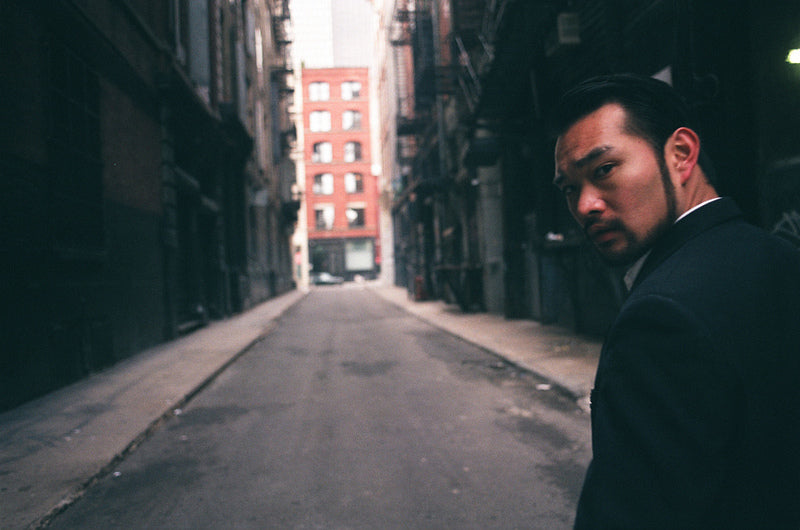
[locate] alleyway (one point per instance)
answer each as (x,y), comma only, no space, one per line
(56,447)
(354,414)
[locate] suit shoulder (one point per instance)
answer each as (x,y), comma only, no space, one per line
(732,252)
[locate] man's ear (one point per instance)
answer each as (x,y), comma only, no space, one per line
(681,152)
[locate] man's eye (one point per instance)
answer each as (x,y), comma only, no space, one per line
(568,190)
(603,171)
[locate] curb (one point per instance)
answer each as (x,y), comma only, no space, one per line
(582,400)
(171,411)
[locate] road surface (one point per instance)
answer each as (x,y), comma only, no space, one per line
(352,413)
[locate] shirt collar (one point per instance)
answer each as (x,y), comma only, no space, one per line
(633,271)
(690,210)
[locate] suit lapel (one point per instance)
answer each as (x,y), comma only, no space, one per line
(690,226)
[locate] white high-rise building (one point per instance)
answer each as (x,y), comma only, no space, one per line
(332,33)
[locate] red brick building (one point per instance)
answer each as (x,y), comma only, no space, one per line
(341,191)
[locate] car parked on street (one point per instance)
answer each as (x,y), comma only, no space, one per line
(325,278)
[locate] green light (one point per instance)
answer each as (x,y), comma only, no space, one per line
(794,56)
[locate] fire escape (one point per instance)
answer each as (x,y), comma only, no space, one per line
(475,25)
(284,132)
(473,42)
(426,79)
(419,133)
(407,123)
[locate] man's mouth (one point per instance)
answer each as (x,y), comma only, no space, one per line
(602,234)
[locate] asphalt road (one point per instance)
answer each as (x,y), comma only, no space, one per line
(354,414)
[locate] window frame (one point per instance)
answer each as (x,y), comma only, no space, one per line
(353,182)
(355,118)
(354,153)
(323,185)
(319,121)
(320,211)
(348,94)
(315,92)
(360,212)
(317,154)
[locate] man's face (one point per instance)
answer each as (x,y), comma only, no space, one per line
(616,187)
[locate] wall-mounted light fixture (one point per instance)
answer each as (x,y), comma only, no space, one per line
(793,57)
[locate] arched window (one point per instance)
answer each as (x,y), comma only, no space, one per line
(322,152)
(351,120)
(323,184)
(353,182)
(352,151)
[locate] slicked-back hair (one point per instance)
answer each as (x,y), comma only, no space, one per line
(654,109)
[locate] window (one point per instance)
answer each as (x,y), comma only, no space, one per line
(353,182)
(323,152)
(323,216)
(319,120)
(323,184)
(351,119)
(352,151)
(351,90)
(355,216)
(319,91)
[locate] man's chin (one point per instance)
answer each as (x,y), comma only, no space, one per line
(619,257)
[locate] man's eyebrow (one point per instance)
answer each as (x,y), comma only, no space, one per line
(592,155)
(595,153)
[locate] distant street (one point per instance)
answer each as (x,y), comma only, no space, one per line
(353,414)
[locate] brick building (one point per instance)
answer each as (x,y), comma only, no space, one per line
(146,183)
(341,192)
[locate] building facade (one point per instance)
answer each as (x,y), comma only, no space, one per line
(476,218)
(341,192)
(146,178)
(383,74)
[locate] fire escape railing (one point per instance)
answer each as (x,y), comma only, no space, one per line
(473,38)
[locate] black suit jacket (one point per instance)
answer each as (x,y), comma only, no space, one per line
(696,405)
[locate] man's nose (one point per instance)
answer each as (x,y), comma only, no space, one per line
(590,202)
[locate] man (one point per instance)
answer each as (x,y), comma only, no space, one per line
(696,407)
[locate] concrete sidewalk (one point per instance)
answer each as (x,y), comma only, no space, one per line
(53,448)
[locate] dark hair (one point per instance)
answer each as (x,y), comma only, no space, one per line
(654,109)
